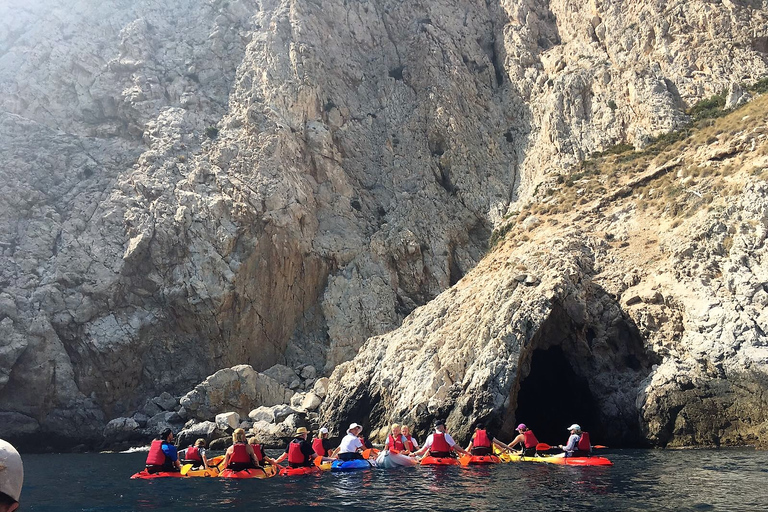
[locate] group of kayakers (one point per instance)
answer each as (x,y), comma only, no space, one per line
(300,452)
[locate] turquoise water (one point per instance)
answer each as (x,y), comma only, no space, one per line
(696,480)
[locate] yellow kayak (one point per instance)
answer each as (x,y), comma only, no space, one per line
(211,471)
(564,461)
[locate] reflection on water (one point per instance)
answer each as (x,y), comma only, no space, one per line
(699,480)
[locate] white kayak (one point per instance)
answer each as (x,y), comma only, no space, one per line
(390,460)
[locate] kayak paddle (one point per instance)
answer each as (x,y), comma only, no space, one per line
(543,447)
(319,461)
(464,460)
(366,453)
(185,469)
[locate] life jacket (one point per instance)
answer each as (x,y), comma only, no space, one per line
(529,439)
(410,444)
(317,446)
(395,445)
(258,451)
(481,439)
(156,457)
(439,444)
(193,453)
(240,454)
(295,455)
(584,444)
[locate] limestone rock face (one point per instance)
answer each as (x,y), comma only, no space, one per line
(189,186)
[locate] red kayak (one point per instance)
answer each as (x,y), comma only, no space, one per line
(306,470)
(484,459)
(144,475)
(439,461)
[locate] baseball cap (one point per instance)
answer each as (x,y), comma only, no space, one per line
(11,470)
(439,422)
(575,426)
(323,430)
(521,427)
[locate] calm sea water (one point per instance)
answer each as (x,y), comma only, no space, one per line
(696,480)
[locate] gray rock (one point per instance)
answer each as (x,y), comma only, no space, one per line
(166,402)
(281,373)
(321,387)
(228,421)
(295,384)
(220,444)
(151,409)
(308,372)
(141,419)
(163,420)
(122,429)
(205,430)
(262,413)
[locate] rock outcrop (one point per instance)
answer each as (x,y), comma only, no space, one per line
(199,185)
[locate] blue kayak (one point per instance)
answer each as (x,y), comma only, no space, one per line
(350,465)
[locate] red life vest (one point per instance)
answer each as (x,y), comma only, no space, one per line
(411,444)
(317,446)
(529,439)
(584,444)
(439,444)
(240,454)
(395,445)
(481,439)
(156,457)
(258,452)
(193,453)
(295,455)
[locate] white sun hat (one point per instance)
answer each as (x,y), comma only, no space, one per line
(353,427)
(11,470)
(323,430)
(575,426)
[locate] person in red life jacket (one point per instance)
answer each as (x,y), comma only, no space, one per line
(162,454)
(240,455)
(578,443)
(321,444)
(440,444)
(396,441)
(410,441)
(482,442)
(299,451)
(526,439)
(195,455)
(258,450)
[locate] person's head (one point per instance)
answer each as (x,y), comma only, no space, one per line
(575,429)
(167,435)
(11,477)
(238,436)
(253,440)
(405,430)
(480,426)
(200,443)
(521,428)
(302,432)
(395,429)
(440,426)
(323,433)
(355,429)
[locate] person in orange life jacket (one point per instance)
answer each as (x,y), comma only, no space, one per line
(351,446)
(578,443)
(396,441)
(321,444)
(440,444)
(526,439)
(11,477)
(195,455)
(240,455)
(482,442)
(258,450)
(411,443)
(162,454)
(299,451)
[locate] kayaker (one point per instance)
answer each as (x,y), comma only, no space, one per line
(240,455)
(11,477)
(321,444)
(351,446)
(195,455)
(482,442)
(162,454)
(578,443)
(526,439)
(396,441)
(299,451)
(258,450)
(440,444)
(411,443)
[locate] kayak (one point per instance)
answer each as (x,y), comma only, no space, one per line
(563,461)
(201,472)
(305,470)
(351,465)
(265,472)
(389,460)
(144,475)
(484,459)
(439,461)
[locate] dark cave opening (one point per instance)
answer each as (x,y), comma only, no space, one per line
(553,396)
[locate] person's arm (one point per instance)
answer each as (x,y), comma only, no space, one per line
(282,457)
(571,446)
(471,442)
(205,459)
(501,445)
(227,456)
(455,446)
(425,448)
(170,451)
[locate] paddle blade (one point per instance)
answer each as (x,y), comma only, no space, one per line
(599,446)
(366,453)
(319,461)
(464,460)
(542,447)
(185,469)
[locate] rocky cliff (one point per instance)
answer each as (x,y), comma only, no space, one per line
(193,186)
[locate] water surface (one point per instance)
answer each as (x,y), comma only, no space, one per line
(695,480)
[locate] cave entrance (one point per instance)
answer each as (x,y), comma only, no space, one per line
(553,396)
